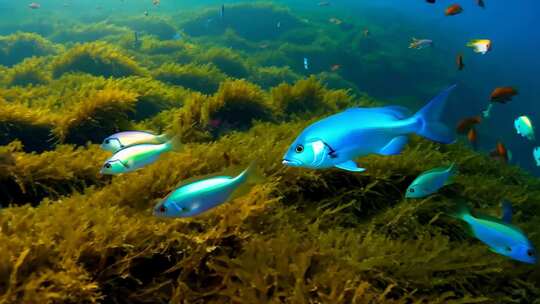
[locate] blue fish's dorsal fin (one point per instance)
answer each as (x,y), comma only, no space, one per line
(506,211)
(350,166)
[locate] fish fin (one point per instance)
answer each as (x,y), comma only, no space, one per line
(174,144)
(248,178)
(506,212)
(350,166)
(462,211)
(163,138)
(395,146)
(452,171)
(429,117)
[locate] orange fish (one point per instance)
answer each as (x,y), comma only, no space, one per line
(500,152)
(472,136)
(459,62)
(503,94)
(466,124)
(453,10)
(335,67)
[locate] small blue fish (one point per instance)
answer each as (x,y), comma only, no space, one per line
(430,182)
(197,197)
(177,36)
(499,234)
(337,140)
(222,12)
(121,140)
(536,155)
(306,64)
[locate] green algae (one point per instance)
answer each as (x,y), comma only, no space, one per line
(299,236)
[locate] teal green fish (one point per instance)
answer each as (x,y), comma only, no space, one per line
(197,197)
(430,182)
(499,234)
(121,140)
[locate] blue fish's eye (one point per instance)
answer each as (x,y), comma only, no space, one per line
(162,209)
(411,190)
(107,141)
(107,165)
(299,149)
(509,249)
(530,252)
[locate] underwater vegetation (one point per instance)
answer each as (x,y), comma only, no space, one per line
(71,235)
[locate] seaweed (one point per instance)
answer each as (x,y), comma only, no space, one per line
(272,76)
(29,72)
(96,58)
(102,113)
(87,33)
(150,25)
(202,78)
(226,60)
(16,47)
(308,96)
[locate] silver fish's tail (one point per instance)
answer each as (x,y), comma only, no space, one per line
(427,120)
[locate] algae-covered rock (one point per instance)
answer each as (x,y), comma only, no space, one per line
(272,76)
(99,58)
(156,26)
(16,47)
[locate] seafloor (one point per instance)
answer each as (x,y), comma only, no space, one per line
(71,235)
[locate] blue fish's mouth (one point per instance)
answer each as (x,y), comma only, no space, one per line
(292,163)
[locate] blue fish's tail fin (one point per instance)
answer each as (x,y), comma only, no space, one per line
(428,119)
(247,179)
(462,212)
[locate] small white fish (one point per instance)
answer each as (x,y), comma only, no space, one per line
(306,63)
(279,24)
(420,43)
(481,46)
(524,127)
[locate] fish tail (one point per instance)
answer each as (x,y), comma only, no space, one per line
(428,119)
(462,212)
(174,144)
(163,138)
(250,173)
(452,172)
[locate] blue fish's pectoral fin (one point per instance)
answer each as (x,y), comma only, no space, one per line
(125,164)
(395,146)
(506,212)
(350,166)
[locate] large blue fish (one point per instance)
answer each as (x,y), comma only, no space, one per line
(337,140)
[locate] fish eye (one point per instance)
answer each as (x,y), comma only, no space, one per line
(299,149)
(509,249)
(107,141)
(530,252)
(162,209)
(411,190)
(107,165)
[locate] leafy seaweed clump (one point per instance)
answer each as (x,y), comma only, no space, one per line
(227,61)
(97,58)
(87,32)
(102,113)
(31,126)
(29,72)
(308,96)
(272,76)
(16,47)
(155,26)
(202,78)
